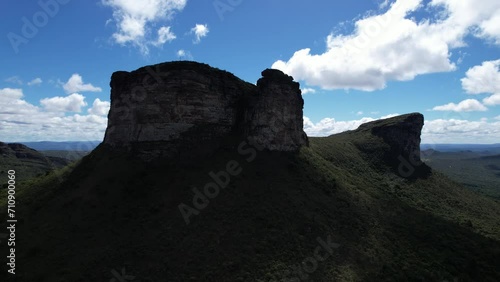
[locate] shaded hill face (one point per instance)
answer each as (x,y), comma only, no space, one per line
(334,211)
(185,109)
(392,142)
(27,162)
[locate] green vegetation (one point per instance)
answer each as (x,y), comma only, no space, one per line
(478,171)
(111,212)
(68,155)
(27,163)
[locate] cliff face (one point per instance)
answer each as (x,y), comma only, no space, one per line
(401,133)
(400,146)
(275,119)
(189,108)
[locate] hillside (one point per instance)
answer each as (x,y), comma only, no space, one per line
(476,170)
(27,162)
(338,210)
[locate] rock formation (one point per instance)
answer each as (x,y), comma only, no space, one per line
(275,115)
(401,133)
(179,109)
(394,142)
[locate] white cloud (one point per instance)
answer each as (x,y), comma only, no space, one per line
(482,16)
(165,35)
(75,84)
(384,4)
(308,91)
(22,121)
(483,79)
(360,113)
(469,105)
(7,94)
(71,103)
(460,131)
(134,18)
(14,79)
(393,45)
(433,132)
(329,126)
(200,31)
(493,100)
(35,81)
(99,108)
(184,55)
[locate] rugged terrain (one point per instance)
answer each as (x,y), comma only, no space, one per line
(356,206)
(27,162)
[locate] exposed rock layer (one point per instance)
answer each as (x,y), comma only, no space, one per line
(400,146)
(401,133)
(187,108)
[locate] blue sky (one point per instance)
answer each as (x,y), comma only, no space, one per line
(356,61)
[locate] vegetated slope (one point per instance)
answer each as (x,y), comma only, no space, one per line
(27,162)
(114,217)
(69,155)
(478,171)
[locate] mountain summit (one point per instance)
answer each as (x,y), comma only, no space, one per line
(255,199)
(185,109)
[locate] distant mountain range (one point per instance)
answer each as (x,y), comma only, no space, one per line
(460,147)
(63,146)
(91,145)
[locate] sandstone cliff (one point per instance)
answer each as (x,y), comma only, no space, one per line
(183,109)
(394,141)
(401,133)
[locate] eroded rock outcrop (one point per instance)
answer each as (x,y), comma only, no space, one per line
(401,133)
(179,109)
(274,118)
(400,146)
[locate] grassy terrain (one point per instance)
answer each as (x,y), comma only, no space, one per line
(478,171)
(27,163)
(69,155)
(112,212)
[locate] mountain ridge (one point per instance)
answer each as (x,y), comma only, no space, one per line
(337,209)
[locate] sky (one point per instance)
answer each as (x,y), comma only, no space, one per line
(356,61)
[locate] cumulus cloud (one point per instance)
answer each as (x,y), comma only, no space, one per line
(22,121)
(394,46)
(75,84)
(99,108)
(7,94)
(35,81)
(71,103)
(493,100)
(483,79)
(460,131)
(135,18)
(199,31)
(308,91)
(165,35)
(469,105)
